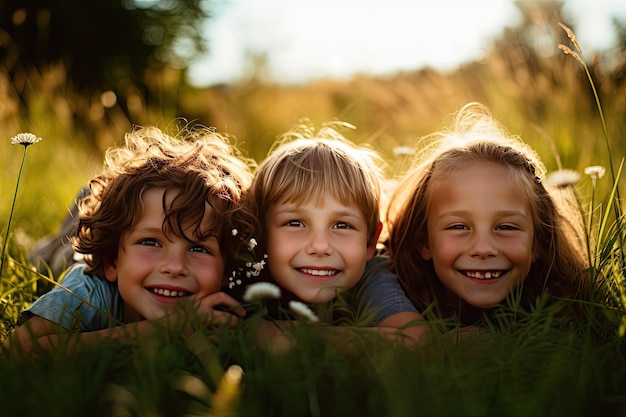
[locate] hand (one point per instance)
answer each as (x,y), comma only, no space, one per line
(220,308)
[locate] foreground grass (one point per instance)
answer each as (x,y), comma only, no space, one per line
(511,370)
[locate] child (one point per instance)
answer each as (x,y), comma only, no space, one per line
(317,199)
(474,223)
(155,229)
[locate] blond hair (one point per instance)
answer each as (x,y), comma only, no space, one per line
(304,165)
(476,137)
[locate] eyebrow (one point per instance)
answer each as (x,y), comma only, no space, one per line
(138,228)
(287,209)
(502,213)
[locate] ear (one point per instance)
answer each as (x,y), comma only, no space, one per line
(425,252)
(371,248)
(110,271)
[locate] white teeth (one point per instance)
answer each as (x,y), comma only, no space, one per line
(483,275)
(168,293)
(319,272)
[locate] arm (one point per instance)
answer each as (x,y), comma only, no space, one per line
(39,333)
(277,336)
(407,326)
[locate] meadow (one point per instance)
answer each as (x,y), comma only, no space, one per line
(573,111)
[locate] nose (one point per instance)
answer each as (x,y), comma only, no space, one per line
(319,243)
(173,264)
(482,245)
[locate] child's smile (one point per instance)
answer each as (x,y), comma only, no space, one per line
(484,275)
(320,274)
(170,293)
(480,234)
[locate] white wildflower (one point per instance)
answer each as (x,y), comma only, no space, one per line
(563,178)
(252,244)
(234,232)
(403,151)
(255,269)
(595,171)
(258,266)
(260,290)
(24,139)
(303,310)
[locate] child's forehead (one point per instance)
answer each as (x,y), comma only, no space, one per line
(158,204)
(317,200)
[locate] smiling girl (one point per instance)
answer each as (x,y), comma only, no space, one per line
(473,223)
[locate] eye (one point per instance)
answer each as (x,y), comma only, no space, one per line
(507,227)
(200,249)
(342,225)
(149,242)
(457,226)
(294,223)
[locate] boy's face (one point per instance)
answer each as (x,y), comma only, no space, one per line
(154,271)
(480,234)
(316,251)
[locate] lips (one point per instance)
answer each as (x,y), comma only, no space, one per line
(170,293)
(319,272)
(484,275)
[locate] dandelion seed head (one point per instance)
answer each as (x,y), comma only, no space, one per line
(403,151)
(595,171)
(261,290)
(563,178)
(25,139)
(303,310)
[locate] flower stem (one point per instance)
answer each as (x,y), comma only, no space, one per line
(6,236)
(616,202)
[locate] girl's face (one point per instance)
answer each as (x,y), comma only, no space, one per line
(154,270)
(480,234)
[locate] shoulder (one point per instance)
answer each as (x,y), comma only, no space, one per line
(377,268)
(380,292)
(79,294)
(79,282)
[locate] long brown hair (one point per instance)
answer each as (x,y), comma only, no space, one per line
(476,137)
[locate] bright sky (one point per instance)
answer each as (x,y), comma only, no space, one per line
(308,39)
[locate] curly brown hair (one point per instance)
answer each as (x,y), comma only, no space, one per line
(199,165)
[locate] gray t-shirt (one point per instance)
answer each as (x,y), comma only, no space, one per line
(93,303)
(379,291)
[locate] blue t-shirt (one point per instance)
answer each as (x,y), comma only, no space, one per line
(93,303)
(379,291)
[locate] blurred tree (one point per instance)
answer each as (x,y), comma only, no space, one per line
(101,44)
(619,63)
